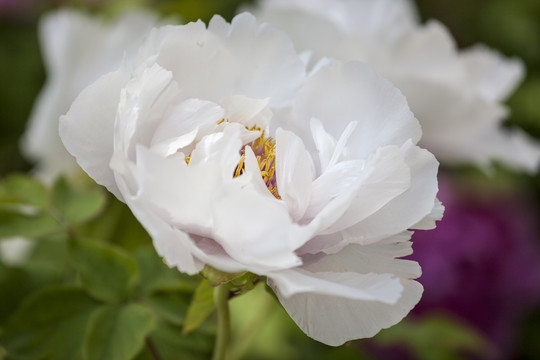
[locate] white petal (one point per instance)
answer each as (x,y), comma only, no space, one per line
(249,112)
(332,194)
(220,150)
(258,62)
(374,287)
(252,169)
(387,176)
(361,26)
(513,147)
(379,258)
(77,49)
(493,76)
(178,192)
(324,143)
(175,246)
(87,130)
(142,105)
(351,91)
(460,127)
(179,127)
(428,52)
(294,172)
(407,209)
(186,193)
(353,191)
(429,222)
(256,230)
(334,320)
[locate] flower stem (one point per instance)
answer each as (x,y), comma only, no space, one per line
(221,299)
(152,349)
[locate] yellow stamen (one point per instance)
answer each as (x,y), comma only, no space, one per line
(265,150)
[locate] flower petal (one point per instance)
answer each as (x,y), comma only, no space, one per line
(387,177)
(381,257)
(492,76)
(71,66)
(429,222)
(373,287)
(258,62)
(180,126)
(428,52)
(249,112)
(294,172)
(454,138)
(351,91)
(407,209)
(334,320)
(143,103)
(87,130)
(352,191)
(256,230)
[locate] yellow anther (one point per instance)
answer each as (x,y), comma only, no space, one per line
(264,149)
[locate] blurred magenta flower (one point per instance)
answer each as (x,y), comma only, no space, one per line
(10,8)
(482,262)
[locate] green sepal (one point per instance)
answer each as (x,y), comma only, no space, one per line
(201,306)
(244,283)
(216,277)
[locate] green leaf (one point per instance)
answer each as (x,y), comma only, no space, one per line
(24,190)
(171,306)
(435,336)
(13,223)
(202,305)
(47,265)
(107,272)
(51,324)
(76,205)
(172,344)
(117,332)
(16,284)
(156,276)
(105,227)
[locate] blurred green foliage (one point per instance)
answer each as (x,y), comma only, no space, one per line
(81,296)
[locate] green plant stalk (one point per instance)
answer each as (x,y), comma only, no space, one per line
(250,332)
(221,299)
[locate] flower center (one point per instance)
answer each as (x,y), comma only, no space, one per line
(264,149)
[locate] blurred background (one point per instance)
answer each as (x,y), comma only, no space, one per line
(481,265)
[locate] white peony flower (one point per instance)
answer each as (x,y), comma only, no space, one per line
(231,156)
(77,49)
(455,94)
